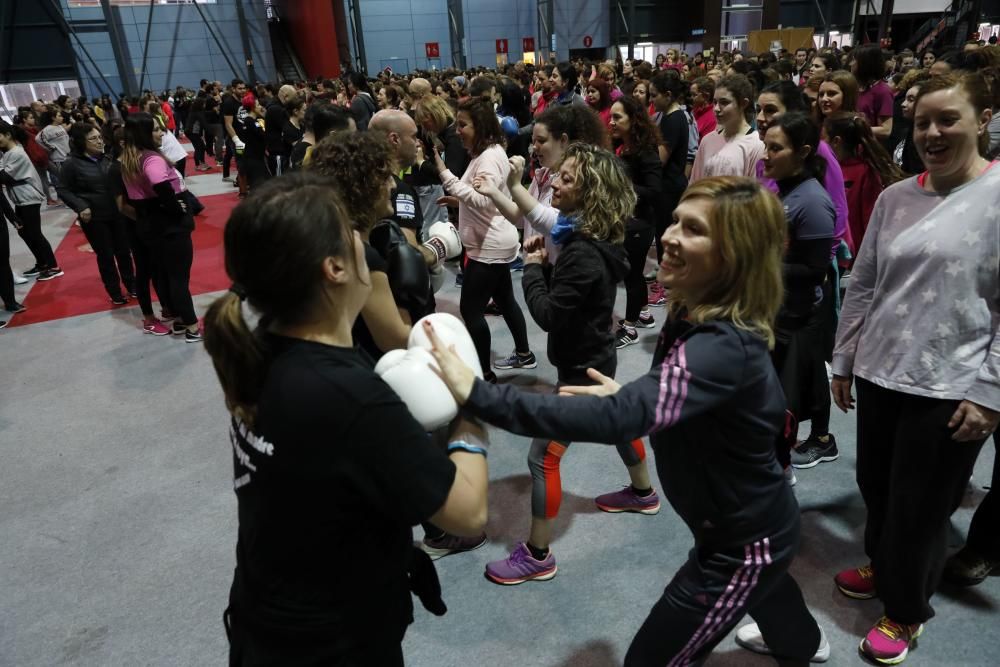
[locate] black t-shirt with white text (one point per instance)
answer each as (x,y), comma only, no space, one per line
(328,483)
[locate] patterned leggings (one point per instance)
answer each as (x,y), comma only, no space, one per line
(544,459)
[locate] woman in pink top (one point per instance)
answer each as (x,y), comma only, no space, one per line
(163,222)
(490,240)
(734,149)
(598,98)
(875,100)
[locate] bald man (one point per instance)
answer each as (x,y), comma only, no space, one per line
(401,132)
(275,118)
(419,87)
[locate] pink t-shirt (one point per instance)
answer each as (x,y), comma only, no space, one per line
(876,103)
(155,169)
(718,157)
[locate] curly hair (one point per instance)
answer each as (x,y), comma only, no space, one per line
(359,163)
(484,122)
(642,134)
(607,196)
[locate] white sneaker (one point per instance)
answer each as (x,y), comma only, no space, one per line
(19,280)
(749,638)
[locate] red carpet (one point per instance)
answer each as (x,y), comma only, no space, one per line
(81,292)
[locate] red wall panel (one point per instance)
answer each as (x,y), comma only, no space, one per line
(313,30)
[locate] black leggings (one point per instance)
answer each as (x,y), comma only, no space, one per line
(665,219)
(31,234)
(6,277)
(481,283)
(114,259)
(147,270)
(175,254)
(198,142)
(638,236)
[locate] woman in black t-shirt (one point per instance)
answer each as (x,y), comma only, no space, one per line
(330,469)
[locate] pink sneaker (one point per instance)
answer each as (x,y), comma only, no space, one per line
(889,642)
(156,327)
(628,500)
(857,583)
(657,296)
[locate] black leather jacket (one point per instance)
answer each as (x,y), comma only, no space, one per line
(83,184)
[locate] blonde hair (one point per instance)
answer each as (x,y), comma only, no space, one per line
(607,196)
(434,109)
(747,228)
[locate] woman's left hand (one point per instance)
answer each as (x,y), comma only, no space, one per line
(973,422)
(534,251)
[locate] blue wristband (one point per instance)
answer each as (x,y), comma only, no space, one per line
(464,446)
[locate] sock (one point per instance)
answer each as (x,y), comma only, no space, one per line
(536,553)
(825,439)
(642,493)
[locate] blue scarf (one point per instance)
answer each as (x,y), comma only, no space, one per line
(563,228)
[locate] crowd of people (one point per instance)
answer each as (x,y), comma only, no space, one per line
(806,210)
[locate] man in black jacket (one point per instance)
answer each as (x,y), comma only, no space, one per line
(275,118)
(86,190)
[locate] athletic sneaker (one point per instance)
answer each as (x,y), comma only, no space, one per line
(229,179)
(15,308)
(193,336)
(19,280)
(451,544)
(657,296)
(49,274)
(32,272)
(650,277)
(625,336)
(857,583)
(520,566)
(458,279)
(4,323)
(889,642)
(749,637)
(119,300)
(627,500)
(516,361)
(969,567)
(156,328)
(813,451)
(790,476)
(645,321)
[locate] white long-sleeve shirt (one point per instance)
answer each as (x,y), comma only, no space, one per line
(923,306)
(488,237)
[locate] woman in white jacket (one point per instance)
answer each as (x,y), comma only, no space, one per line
(490,240)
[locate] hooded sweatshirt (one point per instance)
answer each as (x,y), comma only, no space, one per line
(573,301)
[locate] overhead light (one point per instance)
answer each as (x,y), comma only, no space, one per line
(643,43)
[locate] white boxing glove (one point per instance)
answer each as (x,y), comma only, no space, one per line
(443,240)
(451,331)
(410,375)
(437,277)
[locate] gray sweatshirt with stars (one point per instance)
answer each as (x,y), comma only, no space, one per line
(923,304)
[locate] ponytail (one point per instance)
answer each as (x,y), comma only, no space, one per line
(238,354)
(856,134)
